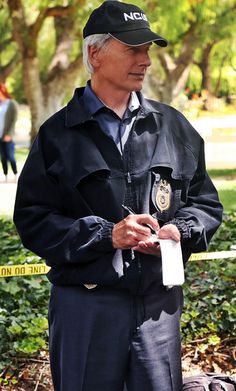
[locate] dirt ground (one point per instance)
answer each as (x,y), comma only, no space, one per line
(34,374)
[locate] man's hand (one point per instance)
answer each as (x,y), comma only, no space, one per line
(148,247)
(132,230)
(169,231)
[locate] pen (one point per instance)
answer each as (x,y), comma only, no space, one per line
(131,212)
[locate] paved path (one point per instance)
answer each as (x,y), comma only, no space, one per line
(7,198)
(220,151)
(205,125)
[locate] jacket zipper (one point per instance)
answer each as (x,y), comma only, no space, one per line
(128,177)
(129,181)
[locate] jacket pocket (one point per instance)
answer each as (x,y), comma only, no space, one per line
(103,193)
(166,195)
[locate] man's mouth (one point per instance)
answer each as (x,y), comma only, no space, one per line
(137,74)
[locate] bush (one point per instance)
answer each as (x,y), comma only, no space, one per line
(209,311)
(23,302)
(210,292)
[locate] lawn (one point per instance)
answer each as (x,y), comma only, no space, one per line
(225,182)
(227,193)
(21,154)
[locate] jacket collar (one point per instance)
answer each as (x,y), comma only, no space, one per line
(77,111)
(147,106)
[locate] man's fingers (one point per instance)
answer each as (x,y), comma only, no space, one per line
(133,229)
(169,231)
(148,248)
(148,219)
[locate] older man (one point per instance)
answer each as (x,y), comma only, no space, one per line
(112,322)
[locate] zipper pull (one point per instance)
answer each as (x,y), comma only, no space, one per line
(129,180)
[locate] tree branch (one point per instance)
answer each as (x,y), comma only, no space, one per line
(47,12)
(7,69)
(166,62)
(18,22)
(56,11)
(58,73)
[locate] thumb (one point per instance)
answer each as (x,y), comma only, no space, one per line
(169,231)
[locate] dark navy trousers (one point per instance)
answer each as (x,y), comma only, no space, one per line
(110,340)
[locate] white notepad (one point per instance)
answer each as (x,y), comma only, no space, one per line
(172,262)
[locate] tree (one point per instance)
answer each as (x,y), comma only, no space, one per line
(221,30)
(46,90)
(177,69)
(46,38)
(8,54)
(189,25)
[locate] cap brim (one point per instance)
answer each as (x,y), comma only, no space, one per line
(139,37)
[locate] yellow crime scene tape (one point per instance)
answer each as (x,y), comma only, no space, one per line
(41,268)
(23,270)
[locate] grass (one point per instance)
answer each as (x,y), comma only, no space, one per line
(21,154)
(227,173)
(194,111)
(224,131)
(228,199)
(227,193)
(225,110)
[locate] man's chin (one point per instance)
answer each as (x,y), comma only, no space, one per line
(138,86)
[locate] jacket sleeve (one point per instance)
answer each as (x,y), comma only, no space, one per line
(43,228)
(201,215)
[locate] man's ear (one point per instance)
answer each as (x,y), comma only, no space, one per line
(94,58)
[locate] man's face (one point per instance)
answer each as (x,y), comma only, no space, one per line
(120,66)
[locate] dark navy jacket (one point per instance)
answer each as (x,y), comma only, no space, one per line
(74,182)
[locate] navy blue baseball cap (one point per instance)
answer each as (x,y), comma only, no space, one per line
(124,22)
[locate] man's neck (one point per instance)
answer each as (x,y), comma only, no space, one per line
(115,99)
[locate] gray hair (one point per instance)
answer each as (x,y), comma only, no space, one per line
(98,40)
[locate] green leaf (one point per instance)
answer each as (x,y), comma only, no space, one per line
(214,340)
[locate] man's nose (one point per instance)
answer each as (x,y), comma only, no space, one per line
(145,60)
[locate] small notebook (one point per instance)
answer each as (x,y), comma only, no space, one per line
(172,262)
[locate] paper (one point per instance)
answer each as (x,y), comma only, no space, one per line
(172,262)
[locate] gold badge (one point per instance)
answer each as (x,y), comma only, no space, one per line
(163,195)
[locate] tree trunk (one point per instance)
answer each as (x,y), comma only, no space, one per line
(218,83)
(205,67)
(176,70)
(44,98)
(175,84)
(33,93)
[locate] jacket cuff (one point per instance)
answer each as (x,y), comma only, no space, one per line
(183,227)
(105,237)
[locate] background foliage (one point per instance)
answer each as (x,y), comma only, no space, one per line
(41,50)
(210,291)
(23,302)
(210,295)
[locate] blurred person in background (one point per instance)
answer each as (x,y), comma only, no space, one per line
(8,117)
